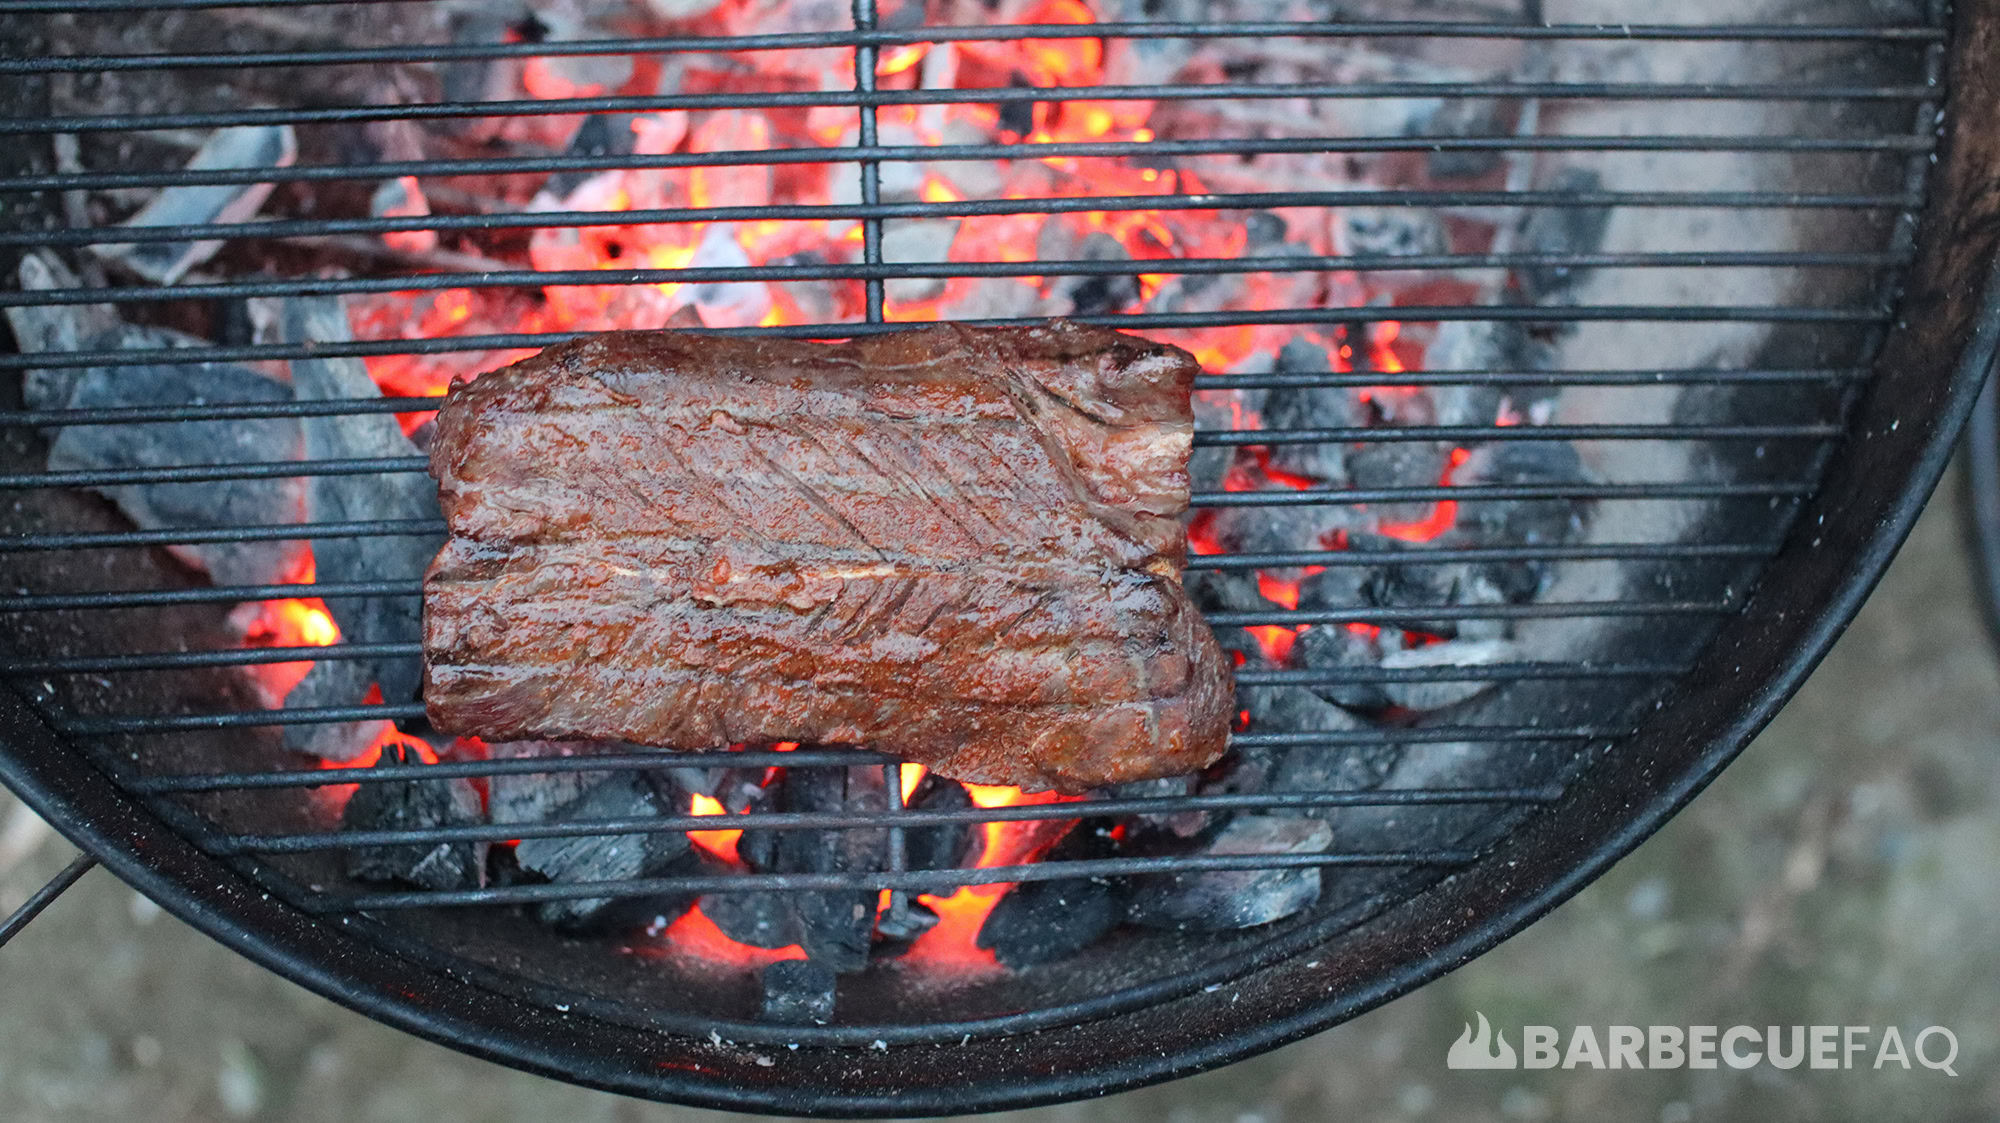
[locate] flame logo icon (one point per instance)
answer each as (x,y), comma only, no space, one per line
(1480,1051)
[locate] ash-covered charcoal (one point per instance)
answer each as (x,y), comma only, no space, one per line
(370,496)
(1311,407)
(1185,824)
(1399,464)
(598,857)
(1225,590)
(920,242)
(157,506)
(1334,648)
(1218,411)
(1321,768)
(601,134)
(1425,696)
(1390,232)
(1562,230)
(1045,921)
(1102,294)
(835,928)
(246,146)
(1531,522)
(410,805)
(1464,117)
(1222,900)
(332,682)
(798,992)
(535,797)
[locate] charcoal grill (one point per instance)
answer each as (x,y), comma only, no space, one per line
(1805,464)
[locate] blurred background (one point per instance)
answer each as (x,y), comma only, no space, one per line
(1842,871)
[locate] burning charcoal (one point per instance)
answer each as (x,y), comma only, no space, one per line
(798,992)
(1562,230)
(1184,824)
(1099,295)
(946,846)
(1529,522)
(1323,768)
(1310,407)
(408,805)
(727,304)
(1390,232)
(818,302)
(601,134)
(1221,900)
(1294,709)
(1225,590)
(1215,411)
(248,146)
(1045,921)
(1464,117)
(835,928)
(221,503)
(923,242)
(535,797)
(604,857)
(375,495)
(403,197)
(1424,696)
(333,682)
(1333,647)
(762,920)
(1263,232)
(1393,464)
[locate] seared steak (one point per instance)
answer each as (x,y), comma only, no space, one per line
(959,546)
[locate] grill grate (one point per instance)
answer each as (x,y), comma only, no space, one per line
(109,736)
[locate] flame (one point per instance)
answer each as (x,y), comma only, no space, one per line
(721,843)
(297,622)
(694,935)
(953,941)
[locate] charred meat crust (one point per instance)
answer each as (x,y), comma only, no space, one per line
(959,546)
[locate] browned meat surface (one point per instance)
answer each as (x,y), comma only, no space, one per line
(959,546)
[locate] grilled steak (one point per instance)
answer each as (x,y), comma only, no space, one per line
(959,546)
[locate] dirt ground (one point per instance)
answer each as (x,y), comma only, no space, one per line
(1842,872)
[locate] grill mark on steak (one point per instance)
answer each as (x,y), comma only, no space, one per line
(960,546)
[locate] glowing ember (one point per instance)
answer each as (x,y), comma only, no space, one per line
(299,622)
(1443,516)
(694,935)
(720,843)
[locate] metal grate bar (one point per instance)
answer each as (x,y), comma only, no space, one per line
(864,211)
(231,594)
(866,96)
(920,881)
(864,271)
(1665,313)
(1027,150)
(880,37)
(189,536)
(1537,610)
(309,842)
(219,411)
(301,715)
(1475,492)
(1481,672)
(871,170)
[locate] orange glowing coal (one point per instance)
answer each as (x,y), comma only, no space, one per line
(292,622)
(720,843)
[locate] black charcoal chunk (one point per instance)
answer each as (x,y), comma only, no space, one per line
(1101,294)
(1391,231)
(1183,823)
(415,805)
(1526,522)
(333,682)
(798,992)
(945,846)
(1399,464)
(604,857)
(762,920)
(1045,921)
(1222,900)
(835,927)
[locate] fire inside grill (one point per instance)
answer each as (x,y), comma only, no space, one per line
(1403,476)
